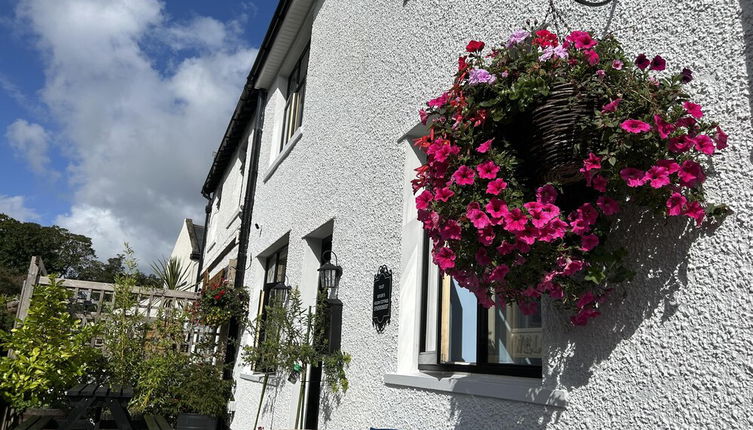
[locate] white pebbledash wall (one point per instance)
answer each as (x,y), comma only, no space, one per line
(182,251)
(673,352)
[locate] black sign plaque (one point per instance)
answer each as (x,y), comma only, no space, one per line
(382,309)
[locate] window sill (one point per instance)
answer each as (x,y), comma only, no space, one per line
(258,377)
(236,216)
(284,154)
(500,387)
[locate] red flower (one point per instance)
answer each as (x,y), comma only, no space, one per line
(658,64)
(545,38)
(474,46)
(641,61)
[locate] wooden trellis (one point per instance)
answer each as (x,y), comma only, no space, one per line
(92,300)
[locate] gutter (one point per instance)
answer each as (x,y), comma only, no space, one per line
(248,210)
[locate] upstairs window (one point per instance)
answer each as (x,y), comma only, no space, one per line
(295,96)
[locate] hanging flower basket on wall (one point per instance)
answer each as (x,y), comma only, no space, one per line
(537,147)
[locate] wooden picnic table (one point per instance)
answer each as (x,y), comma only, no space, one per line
(87,397)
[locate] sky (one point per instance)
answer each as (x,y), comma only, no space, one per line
(110,111)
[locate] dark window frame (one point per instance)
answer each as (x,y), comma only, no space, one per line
(482,347)
(295,98)
(264,294)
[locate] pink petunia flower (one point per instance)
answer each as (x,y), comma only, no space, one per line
(704,144)
(599,183)
(424,200)
(676,204)
(487,170)
(423,115)
(592,162)
(478,218)
(608,206)
(680,144)
(484,147)
(464,175)
(579,226)
(486,236)
(664,128)
(439,101)
(586,299)
(695,210)
(721,139)
(515,220)
(658,64)
(451,230)
(641,61)
(635,126)
(657,177)
(443,194)
(670,165)
(611,106)
(496,208)
(505,248)
(499,273)
(482,257)
(553,230)
(688,122)
(591,57)
(572,267)
(693,109)
(588,242)
(444,258)
(528,236)
(581,40)
(686,76)
(496,186)
(546,194)
(633,177)
(601,73)
(691,174)
(617,64)
(474,46)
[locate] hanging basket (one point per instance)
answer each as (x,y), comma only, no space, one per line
(553,154)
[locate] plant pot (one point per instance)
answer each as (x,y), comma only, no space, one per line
(197,422)
(552,153)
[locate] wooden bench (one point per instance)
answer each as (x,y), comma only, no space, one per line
(156,422)
(35,423)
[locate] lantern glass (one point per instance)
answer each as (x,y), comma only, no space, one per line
(329,275)
(279,294)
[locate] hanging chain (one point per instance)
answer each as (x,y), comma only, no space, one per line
(593,2)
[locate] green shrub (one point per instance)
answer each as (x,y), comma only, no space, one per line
(51,351)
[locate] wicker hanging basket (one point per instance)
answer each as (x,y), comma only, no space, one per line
(552,152)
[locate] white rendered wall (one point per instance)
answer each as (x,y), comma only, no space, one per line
(225,219)
(182,251)
(673,353)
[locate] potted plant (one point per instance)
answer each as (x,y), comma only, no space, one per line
(202,396)
(536,148)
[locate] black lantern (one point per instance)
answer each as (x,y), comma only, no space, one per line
(279,294)
(329,276)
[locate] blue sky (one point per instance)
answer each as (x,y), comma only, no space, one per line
(110,111)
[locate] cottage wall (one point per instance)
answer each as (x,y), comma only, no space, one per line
(672,352)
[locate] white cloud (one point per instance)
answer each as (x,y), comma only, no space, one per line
(15,207)
(139,139)
(31,142)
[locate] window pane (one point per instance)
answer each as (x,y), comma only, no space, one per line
(514,337)
(282,262)
(459,322)
(271,266)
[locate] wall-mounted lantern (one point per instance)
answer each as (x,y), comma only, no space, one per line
(329,277)
(279,294)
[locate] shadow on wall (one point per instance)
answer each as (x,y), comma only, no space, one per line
(747,23)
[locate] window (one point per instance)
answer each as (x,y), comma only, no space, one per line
(296,93)
(458,334)
(275,267)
